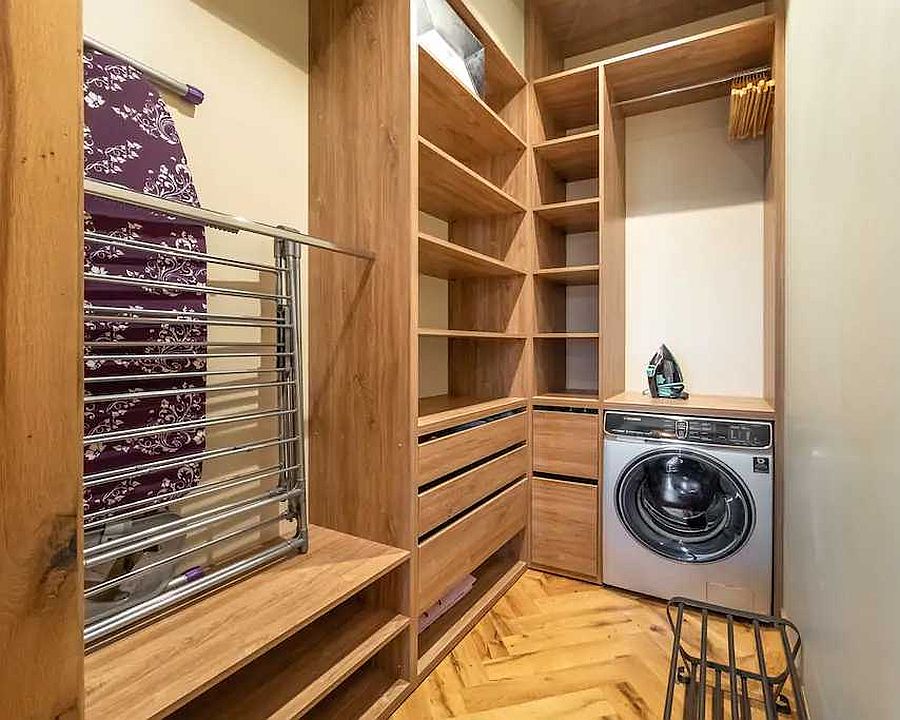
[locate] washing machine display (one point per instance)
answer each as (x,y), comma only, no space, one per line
(685,506)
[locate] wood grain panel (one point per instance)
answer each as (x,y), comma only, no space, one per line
(444,411)
(571,158)
(361,194)
(718,405)
(573,216)
(449,499)
(564,528)
(442,259)
(444,455)
(576,26)
(464,545)
(566,443)
(567,100)
(40,359)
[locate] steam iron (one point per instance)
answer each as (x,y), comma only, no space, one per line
(664,376)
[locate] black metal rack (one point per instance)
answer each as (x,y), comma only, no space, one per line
(695,672)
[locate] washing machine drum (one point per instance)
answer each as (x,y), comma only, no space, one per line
(685,506)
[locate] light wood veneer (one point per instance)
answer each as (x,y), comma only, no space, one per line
(715,405)
(564,526)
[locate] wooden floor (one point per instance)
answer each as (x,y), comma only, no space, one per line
(559,648)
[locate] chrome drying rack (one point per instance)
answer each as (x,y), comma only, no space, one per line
(133,534)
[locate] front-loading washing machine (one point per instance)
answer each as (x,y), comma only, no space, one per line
(687,508)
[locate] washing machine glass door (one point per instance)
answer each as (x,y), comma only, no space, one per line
(685,506)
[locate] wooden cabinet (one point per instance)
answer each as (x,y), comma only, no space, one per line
(444,455)
(566,443)
(564,528)
(463,546)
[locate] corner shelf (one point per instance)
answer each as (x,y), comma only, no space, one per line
(455,119)
(443,259)
(469,334)
(692,61)
(748,408)
(568,336)
(574,157)
(208,641)
(573,275)
(573,216)
(449,190)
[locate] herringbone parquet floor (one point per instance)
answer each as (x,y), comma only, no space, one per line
(559,648)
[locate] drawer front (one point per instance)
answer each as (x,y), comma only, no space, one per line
(444,455)
(439,504)
(464,545)
(564,529)
(567,443)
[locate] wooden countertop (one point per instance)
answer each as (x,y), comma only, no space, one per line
(745,408)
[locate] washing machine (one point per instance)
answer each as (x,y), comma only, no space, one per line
(687,508)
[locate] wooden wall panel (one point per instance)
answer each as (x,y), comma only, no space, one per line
(41,654)
(361,195)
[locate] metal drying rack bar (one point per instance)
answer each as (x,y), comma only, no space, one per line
(169,524)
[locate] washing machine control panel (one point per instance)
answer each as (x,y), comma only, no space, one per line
(700,431)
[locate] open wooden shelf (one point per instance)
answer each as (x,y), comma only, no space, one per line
(292,677)
(574,157)
(567,398)
(569,100)
(449,190)
(184,654)
(568,336)
(354,698)
(456,120)
(574,275)
(692,61)
(748,408)
(443,259)
(470,334)
(492,579)
(573,216)
(443,411)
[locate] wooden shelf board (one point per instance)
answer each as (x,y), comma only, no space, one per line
(574,275)
(567,398)
(443,259)
(449,190)
(185,653)
(504,79)
(469,334)
(690,61)
(568,336)
(292,677)
(574,157)
(455,119)
(493,580)
(572,97)
(443,411)
(367,695)
(749,408)
(572,216)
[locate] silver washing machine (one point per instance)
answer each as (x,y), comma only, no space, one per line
(687,508)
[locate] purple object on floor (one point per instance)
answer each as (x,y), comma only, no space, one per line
(130,140)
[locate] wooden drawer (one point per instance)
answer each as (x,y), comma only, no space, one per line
(464,545)
(452,497)
(564,529)
(444,455)
(566,443)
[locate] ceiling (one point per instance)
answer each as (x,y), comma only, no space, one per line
(577,26)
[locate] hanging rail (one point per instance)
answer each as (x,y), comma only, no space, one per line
(186,92)
(689,88)
(212,218)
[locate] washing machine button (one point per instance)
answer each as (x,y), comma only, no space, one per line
(681,429)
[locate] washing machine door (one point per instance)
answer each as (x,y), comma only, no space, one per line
(685,506)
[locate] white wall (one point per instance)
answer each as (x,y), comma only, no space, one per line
(505,20)
(694,249)
(842,476)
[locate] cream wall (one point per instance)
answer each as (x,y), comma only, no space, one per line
(842,477)
(694,249)
(505,19)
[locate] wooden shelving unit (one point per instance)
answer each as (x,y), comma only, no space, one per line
(468,334)
(444,259)
(571,275)
(443,411)
(573,157)
(185,654)
(567,101)
(566,399)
